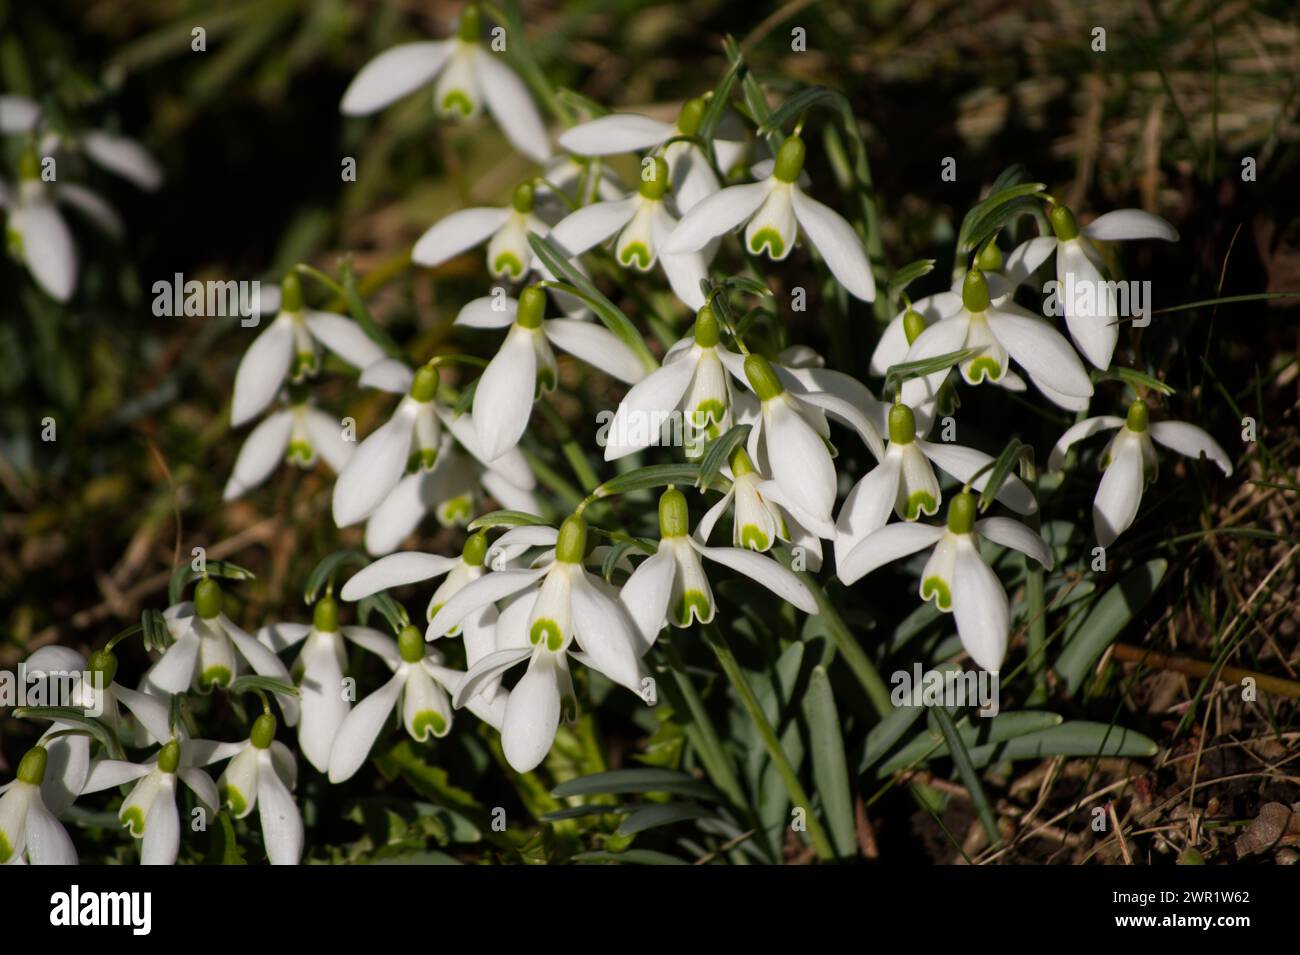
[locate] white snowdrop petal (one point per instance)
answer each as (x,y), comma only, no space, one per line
(597,346)
(1076,433)
(838,244)
(394,73)
(261,371)
(1013,534)
(1119,493)
(892,542)
(1190,441)
(614,134)
(980,606)
(1129,224)
(395,571)
(716,215)
(262,450)
(457,233)
(509,101)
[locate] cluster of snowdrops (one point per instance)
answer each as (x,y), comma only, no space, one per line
(545,597)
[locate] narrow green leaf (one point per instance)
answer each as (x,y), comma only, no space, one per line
(719,453)
(640,780)
(506,519)
(252,681)
(662,814)
(185,574)
(1000,469)
(66,714)
(582,287)
(929,745)
(830,769)
(906,276)
(1111,614)
(656,475)
(897,374)
(966,770)
(1076,738)
(631,857)
(324,571)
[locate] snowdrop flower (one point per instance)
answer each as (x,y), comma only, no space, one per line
(416,689)
(469,78)
(28,830)
(691,173)
(209,648)
(289,345)
(456,484)
(504,229)
(120,155)
(149,811)
(397,570)
(998,333)
(259,776)
(1003,278)
(671,586)
(410,438)
(759,521)
(320,667)
(1087,299)
(691,382)
(790,442)
(777,209)
(36,233)
(297,433)
(956,577)
(69,755)
(643,222)
(1129,462)
(524,366)
(904,482)
(561,610)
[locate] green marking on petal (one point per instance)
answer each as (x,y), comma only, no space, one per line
(214,677)
(692,600)
(304,364)
(545,382)
(14,240)
(455,511)
(709,410)
(457,101)
(233,798)
(548,630)
(919,501)
(770,238)
(426,722)
(507,263)
(300,453)
(133,818)
(753,538)
(637,251)
(982,367)
(6,850)
(932,588)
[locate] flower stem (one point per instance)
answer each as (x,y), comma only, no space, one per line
(1035,596)
(712,755)
(798,795)
(849,648)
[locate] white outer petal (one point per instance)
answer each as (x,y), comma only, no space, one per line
(394,73)
(1190,441)
(1119,494)
(344,338)
(458,233)
(262,370)
(1078,432)
(1009,533)
(659,393)
(503,399)
(980,605)
(1129,224)
(648,592)
(838,244)
(1041,350)
(532,714)
(282,830)
(766,571)
(716,215)
(361,727)
(867,508)
(593,224)
(396,570)
(48,248)
(963,462)
(616,133)
(597,346)
(891,542)
(124,157)
(510,102)
(262,450)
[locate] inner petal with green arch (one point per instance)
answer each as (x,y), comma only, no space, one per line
(933,588)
